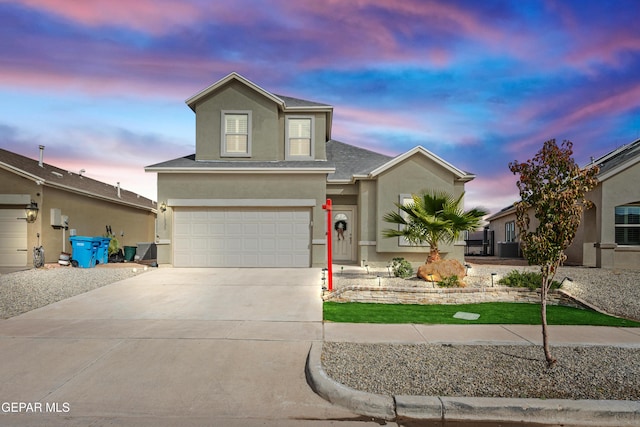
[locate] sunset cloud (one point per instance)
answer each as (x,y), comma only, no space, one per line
(478,83)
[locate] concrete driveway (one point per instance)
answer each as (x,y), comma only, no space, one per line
(170,347)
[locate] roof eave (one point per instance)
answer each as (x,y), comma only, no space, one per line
(459,174)
(619,168)
(504,212)
(231,170)
(192,101)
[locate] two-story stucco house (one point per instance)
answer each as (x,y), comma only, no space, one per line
(609,233)
(252,195)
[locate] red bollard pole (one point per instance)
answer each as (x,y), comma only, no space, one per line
(327,207)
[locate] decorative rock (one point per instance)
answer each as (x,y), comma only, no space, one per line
(436,271)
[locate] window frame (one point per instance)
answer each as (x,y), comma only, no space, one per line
(625,225)
(223,133)
(288,155)
(402,241)
(510,231)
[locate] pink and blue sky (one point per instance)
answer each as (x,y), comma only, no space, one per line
(102,83)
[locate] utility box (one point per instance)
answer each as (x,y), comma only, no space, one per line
(56,218)
(147,251)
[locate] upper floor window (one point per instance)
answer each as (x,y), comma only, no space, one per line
(236,134)
(510,232)
(628,225)
(299,138)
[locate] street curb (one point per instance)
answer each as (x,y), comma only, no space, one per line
(373,405)
(614,413)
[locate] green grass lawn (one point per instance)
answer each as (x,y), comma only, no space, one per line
(490,313)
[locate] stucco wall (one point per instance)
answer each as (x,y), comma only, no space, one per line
(87,215)
(412,176)
(267,124)
(236,96)
(620,189)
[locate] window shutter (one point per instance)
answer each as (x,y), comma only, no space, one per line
(300,137)
(236,133)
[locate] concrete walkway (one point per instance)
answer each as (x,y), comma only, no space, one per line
(170,347)
(481,334)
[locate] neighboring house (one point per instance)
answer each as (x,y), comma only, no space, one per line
(87,205)
(609,233)
(253,193)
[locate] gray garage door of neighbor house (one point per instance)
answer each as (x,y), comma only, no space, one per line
(13,238)
(242,237)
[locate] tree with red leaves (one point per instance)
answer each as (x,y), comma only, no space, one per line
(553,186)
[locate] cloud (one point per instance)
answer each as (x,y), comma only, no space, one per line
(107,154)
(153,16)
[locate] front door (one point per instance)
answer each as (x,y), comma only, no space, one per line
(343,234)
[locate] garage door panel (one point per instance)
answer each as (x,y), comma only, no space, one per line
(249,229)
(202,229)
(216,230)
(252,245)
(235,237)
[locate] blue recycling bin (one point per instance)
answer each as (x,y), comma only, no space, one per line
(102,252)
(84,250)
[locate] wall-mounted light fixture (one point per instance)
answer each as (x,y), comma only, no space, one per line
(31,212)
(163,207)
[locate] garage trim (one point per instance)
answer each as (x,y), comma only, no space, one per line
(242,203)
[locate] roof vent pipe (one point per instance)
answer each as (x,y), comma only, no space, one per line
(119,197)
(41,162)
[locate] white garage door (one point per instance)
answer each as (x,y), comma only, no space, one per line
(239,237)
(13,238)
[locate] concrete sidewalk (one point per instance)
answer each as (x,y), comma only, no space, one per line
(480,334)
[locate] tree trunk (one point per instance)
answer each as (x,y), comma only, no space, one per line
(551,361)
(434,255)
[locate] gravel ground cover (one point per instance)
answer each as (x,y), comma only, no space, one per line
(27,290)
(610,373)
(582,372)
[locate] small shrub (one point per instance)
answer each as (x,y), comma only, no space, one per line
(525,279)
(450,282)
(401,268)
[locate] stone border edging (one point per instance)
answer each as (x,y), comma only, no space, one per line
(552,411)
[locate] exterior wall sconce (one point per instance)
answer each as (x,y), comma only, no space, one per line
(31,212)
(163,207)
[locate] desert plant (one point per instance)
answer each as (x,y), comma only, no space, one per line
(401,268)
(450,282)
(525,279)
(432,217)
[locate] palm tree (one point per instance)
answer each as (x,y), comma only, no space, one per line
(431,218)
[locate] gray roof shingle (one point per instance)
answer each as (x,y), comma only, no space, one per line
(190,162)
(351,160)
(296,102)
(618,156)
(54,176)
